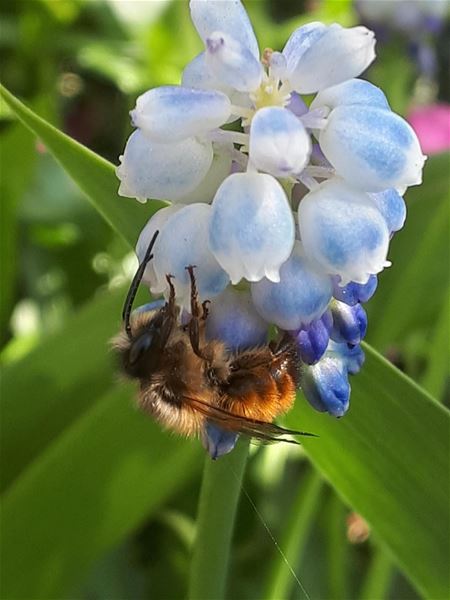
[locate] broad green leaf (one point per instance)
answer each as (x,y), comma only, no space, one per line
(64,376)
(94,175)
(389,459)
(94,485)
(411,292)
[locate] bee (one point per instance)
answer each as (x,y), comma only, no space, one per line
(186,381)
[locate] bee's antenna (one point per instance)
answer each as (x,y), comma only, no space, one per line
(135,284)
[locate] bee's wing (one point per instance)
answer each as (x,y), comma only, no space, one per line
(260,430)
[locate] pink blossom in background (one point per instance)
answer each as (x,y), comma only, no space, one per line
(432,125)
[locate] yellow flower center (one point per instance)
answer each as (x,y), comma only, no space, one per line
(270,93)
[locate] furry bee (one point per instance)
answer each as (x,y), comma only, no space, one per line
(186,380)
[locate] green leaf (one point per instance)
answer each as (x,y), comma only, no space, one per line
(297,527)
(94,485)
(64,376)
(379,577)
(337,550)
(435,378)
(93,174)
(389,459)
(17,154)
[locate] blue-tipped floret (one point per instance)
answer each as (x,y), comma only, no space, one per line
(312,340)
(349,323)
(217,441)
(352,293)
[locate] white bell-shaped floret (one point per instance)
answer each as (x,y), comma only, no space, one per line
(233,319)
(220,169)
(302,294)
(372,148)
(196,74)
(343,231)
(353,91)
(252,227)
(300,41)
(181,243)
(149,169)
(279,143)
(319,56)
(155,223)
(172,113)
(393,208)
(228,16)
(232,63)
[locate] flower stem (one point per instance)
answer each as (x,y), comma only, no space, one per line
(218,502)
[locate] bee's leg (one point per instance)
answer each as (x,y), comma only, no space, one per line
(285,343)
(194,329)
(170,313)
(205,309)
(171,301)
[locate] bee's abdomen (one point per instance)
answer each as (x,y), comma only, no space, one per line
(262,390)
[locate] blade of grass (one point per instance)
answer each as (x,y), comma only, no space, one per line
(17,154)
(337,549)
(378,578)
(436,376)
(297,526)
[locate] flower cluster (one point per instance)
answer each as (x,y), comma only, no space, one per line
(285,205)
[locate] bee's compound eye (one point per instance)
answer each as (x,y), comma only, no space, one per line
(141,345)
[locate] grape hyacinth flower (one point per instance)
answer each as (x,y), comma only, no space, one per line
(288,213)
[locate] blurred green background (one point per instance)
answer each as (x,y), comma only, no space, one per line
(66,417)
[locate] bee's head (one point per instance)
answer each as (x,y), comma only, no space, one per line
(141,343)
(142,355)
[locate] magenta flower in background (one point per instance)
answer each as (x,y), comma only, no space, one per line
(432,126)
